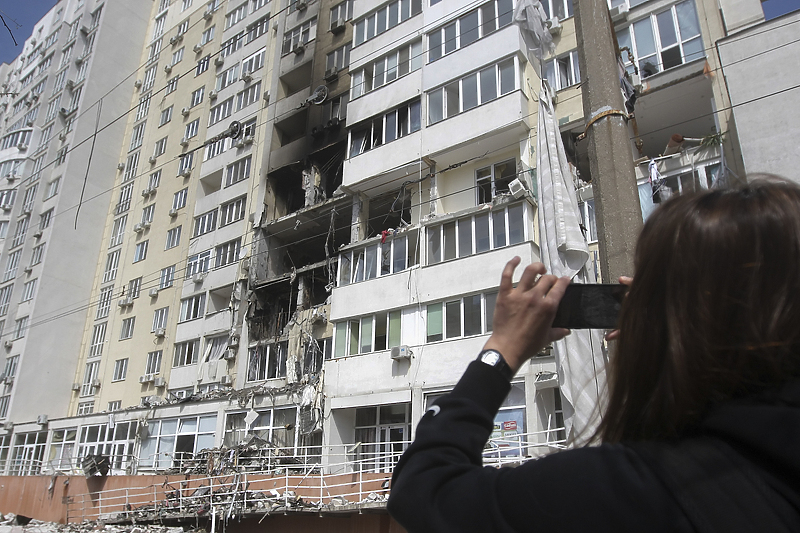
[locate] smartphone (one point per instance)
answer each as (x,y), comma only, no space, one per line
(590,306)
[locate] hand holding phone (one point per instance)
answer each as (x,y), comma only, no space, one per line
(590,306)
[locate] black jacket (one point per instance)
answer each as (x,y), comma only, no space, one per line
(439,484)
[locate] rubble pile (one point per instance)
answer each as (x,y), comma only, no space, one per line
(11,523)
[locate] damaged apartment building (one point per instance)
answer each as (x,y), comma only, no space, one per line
(306,215)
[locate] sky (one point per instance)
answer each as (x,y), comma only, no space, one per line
(22,15)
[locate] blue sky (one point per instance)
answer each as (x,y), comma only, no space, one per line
(22,15)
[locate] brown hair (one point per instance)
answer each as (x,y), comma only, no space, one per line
(713,312)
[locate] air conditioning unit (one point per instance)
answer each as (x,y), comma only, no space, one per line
(333,123)
(185,111)
(517,189)
(137,83)
(79,60)
(229,354)
(173,212)
(248,139)
(300,5)
(208,14)
(35,98)
(299,48)
(121,166)
(337,26)
(146,192)
(185,173)
(147,378)
(138,228)
(167,68)
(554,26)
(619,13)
(28,123)
(37,234)
(184,141)
(318,316)
(41,420)
(197,48)
(233,341)
(636,81)
(85,29)
(64,111)
(22,147)
(152,159)
(400,353)
(331,74)
(8,344)
(226,380)
(153,292)
(146,225)
(240,143)
(6,207)
(76,386)
(246,76)
(160,382)
(160,332)
(26,210)
(125,302)
(96,383)
(173,40)
(317,131)
(28,269)
(266,96)
(198,277)
(219,61)
(212,95)
(62,136)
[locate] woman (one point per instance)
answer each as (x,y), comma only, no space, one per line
(703,418)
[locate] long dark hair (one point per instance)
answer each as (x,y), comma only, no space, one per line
(713,312)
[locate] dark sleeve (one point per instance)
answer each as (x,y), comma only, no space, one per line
(439,484)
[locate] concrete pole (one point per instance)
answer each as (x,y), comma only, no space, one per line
(616,198)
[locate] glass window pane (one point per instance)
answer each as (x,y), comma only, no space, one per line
(449,38)
(344,269)
(399,254)
(452,99)
(395,318)
(435,106)
(643,33)
(505,11)
(415,115)
(434,46)
(353,337)
(469,28)
(449,240)
(371,261)
(671,57)
(366,334)
(507,82)
(687,20)
(188,425)
(693,49)
(498,229)
(490,299)
(481,233)
(341,339)
(393,414)
(488,19)
(366,416)
(472,315)
(464,237)
(452,319)
(488,84)
(469,88)
(434,245)
(391,126)
(434,322)
(380,331)
(416,55)
(516,228)
(666,29)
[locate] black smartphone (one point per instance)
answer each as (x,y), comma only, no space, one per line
(590,306)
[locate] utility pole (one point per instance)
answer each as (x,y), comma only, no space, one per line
(616,197)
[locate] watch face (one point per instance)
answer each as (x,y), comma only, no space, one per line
(491,358)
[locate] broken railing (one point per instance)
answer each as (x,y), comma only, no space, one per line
(360,481)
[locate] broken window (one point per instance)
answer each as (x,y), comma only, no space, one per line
(388,127)
(480,232)
(379,259)
(62,447)
(276,426)
(112,440)
(267,361)
(172,441)
(493,180)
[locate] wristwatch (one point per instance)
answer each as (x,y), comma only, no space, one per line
(494,359)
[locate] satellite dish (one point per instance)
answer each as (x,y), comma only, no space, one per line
(319,96)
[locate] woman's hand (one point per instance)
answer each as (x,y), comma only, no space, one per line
(614,333)
(523,316)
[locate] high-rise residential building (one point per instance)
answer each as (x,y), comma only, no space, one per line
(59,141)
(312,203)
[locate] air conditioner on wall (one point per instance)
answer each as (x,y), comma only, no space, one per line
(337,26)
(153,292)
(41,420)
(160,382)
(160,332)
(400,353)
(219,61)
(138,228)
(146,378)
(619,13)
(226,380)
(212,95)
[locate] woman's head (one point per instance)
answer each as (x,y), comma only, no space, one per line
(713,312)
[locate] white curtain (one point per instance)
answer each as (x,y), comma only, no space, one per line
(580,358)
